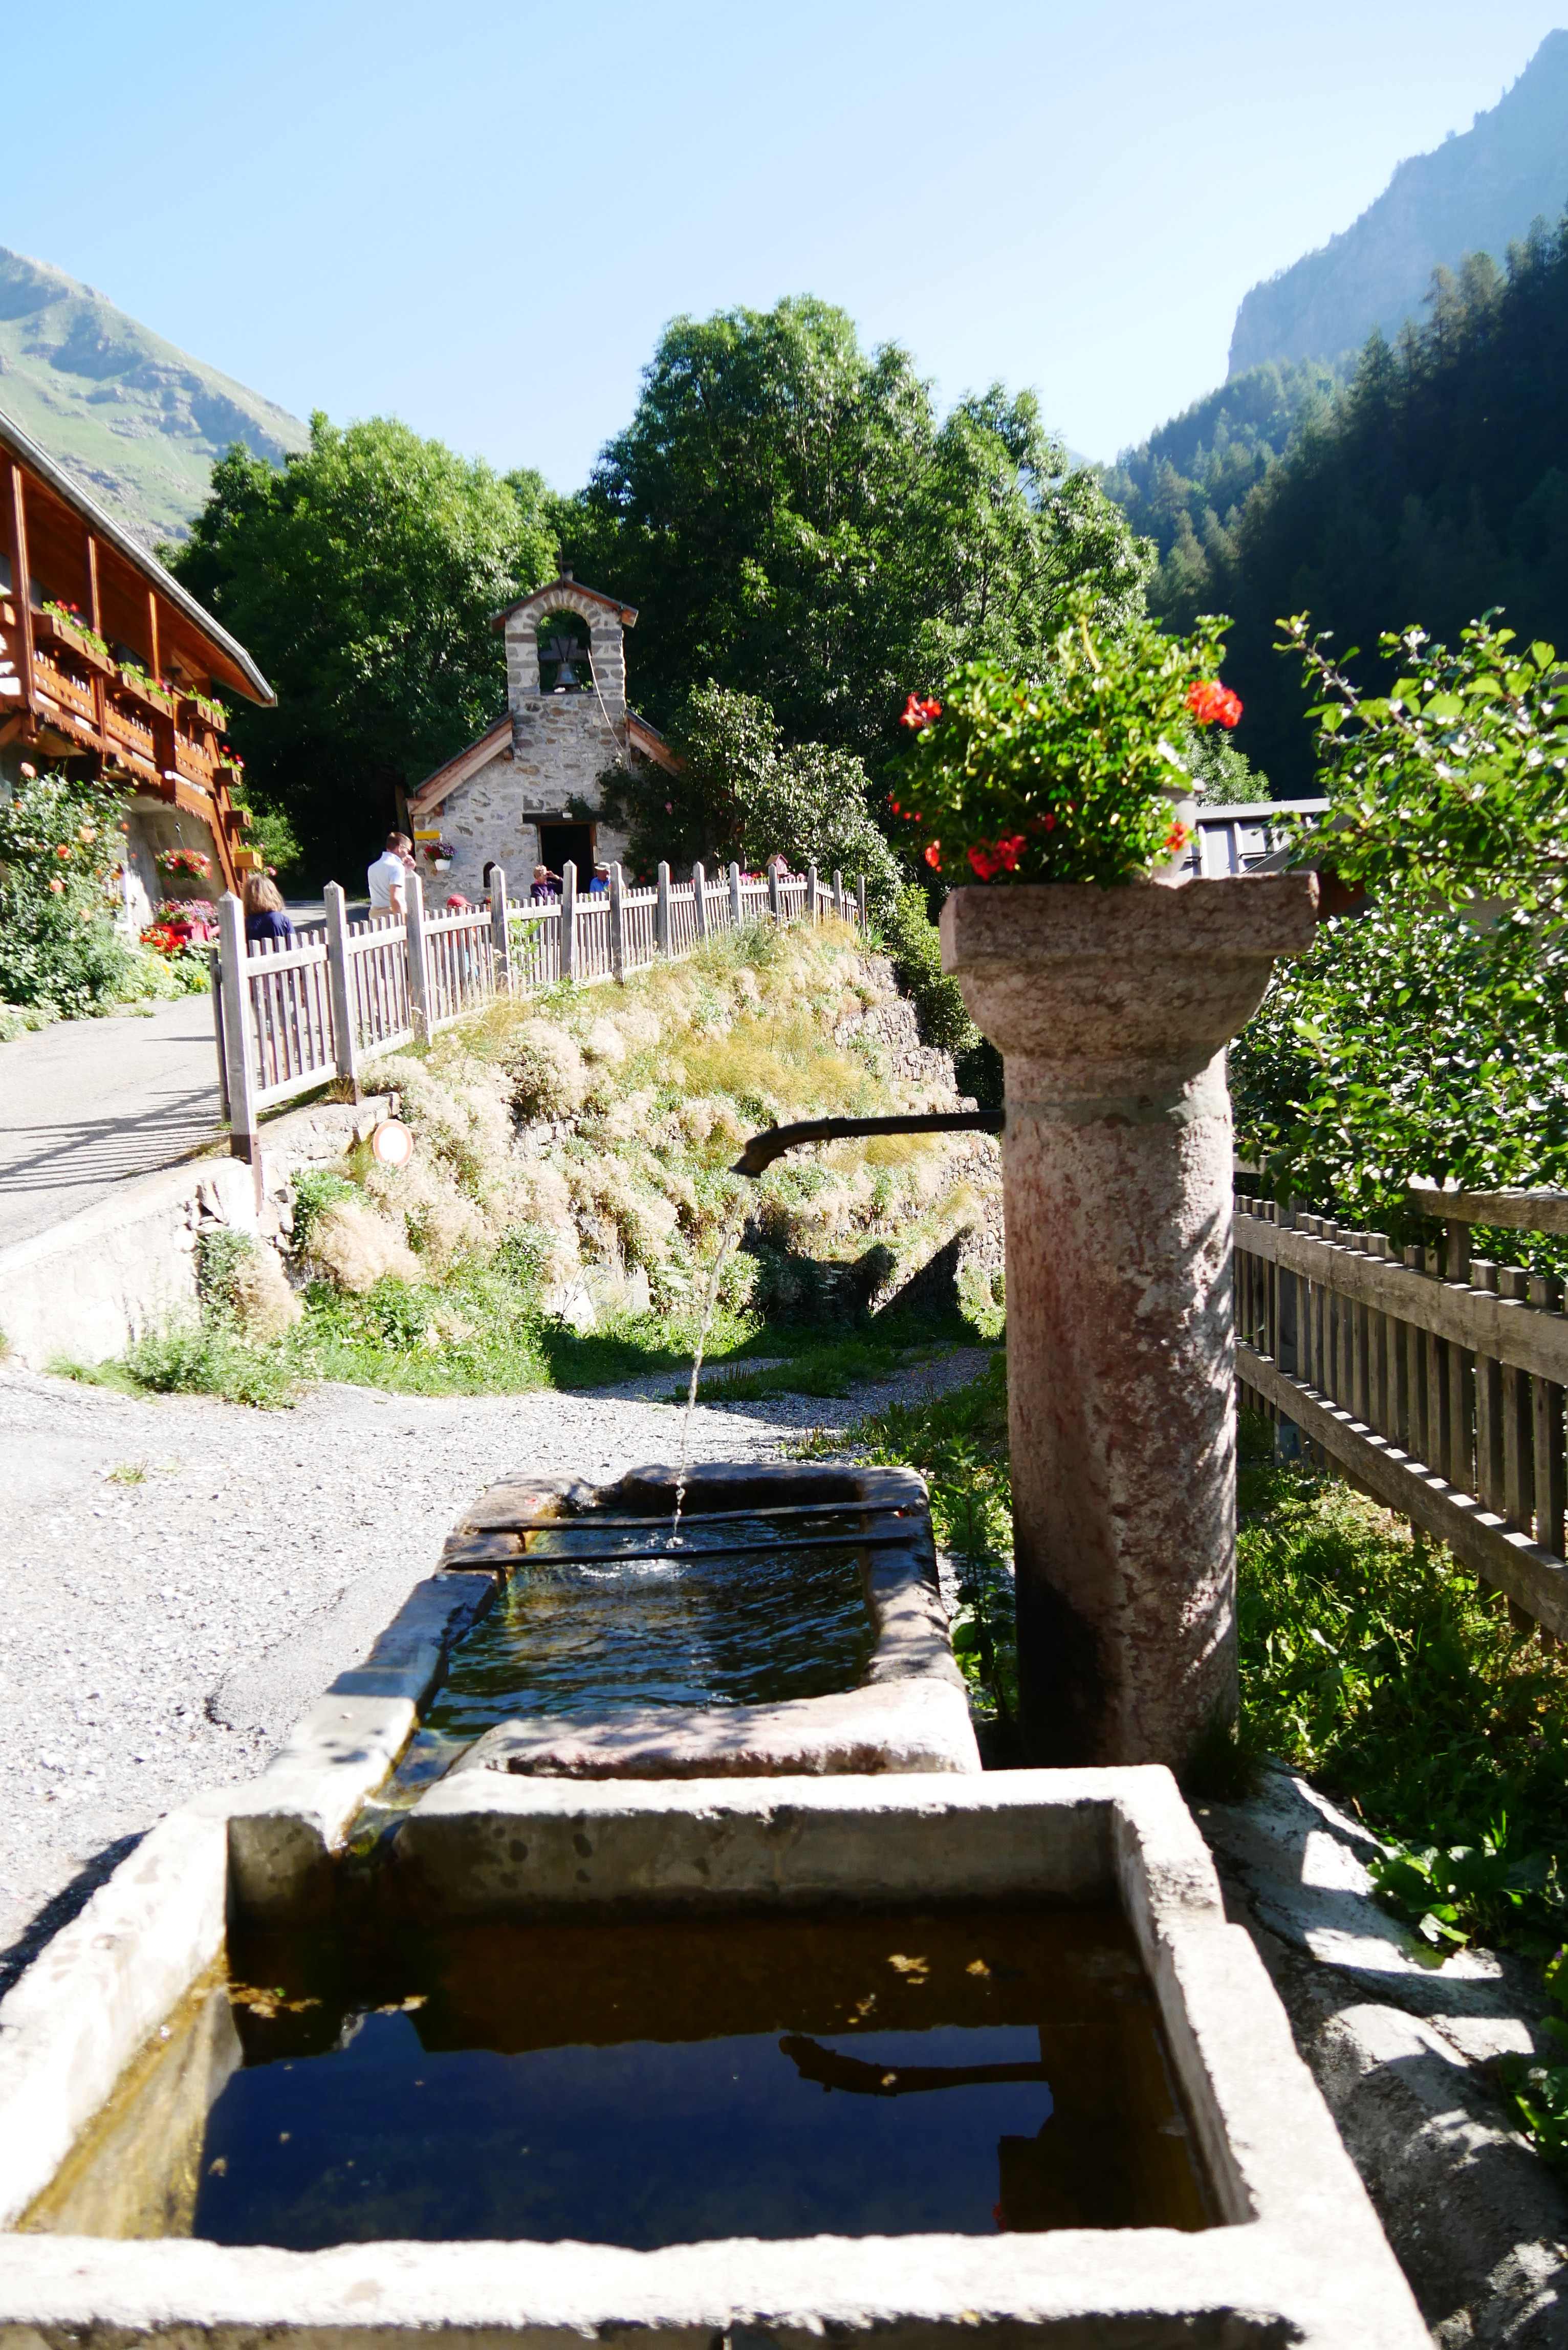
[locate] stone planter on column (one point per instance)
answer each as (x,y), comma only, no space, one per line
(1112,1009)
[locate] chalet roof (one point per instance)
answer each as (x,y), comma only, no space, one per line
(26,451)
(625,613)
(496,740)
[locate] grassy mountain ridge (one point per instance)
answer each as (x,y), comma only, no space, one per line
(136,421)
(1478,193)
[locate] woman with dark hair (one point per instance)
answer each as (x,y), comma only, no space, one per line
(264,915)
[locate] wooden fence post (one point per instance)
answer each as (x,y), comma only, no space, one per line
(661,911)
(345,1039)
(838,895)
(419,970)
(499,931)
(700,901)
(215,981)
(735,893)
(860,902)
(568,920)
(237,1029)
(811,893)
(617,923)
(775,904)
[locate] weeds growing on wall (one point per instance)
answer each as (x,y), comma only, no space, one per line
(572,1175)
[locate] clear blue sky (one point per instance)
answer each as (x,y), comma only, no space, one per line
(478,214)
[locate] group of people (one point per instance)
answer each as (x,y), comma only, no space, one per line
(266,917)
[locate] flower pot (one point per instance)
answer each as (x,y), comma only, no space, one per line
(441,864)
(1112,1009)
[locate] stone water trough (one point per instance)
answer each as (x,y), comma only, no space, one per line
(920,2056)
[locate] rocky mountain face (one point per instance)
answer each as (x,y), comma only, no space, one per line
(1473,194)
(135,420)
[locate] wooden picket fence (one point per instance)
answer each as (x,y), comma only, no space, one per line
(1434,1378)
(290,1018)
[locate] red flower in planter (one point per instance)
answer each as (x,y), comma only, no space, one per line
(934,854)
(1008,852)
(1178,837)
(919,713)
(57,888)
(1208,701)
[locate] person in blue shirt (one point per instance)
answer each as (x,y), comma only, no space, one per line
(264,915)
(599,886)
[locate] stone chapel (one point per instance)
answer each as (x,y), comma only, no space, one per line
(522,794)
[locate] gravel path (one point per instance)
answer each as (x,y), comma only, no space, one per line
(180,1578)
(87,1102)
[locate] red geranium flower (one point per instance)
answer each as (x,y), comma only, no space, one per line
(983,862)
(1009,851)
(1176,837)
(919,713)
(1208,701)
(934,854)
(1050,823)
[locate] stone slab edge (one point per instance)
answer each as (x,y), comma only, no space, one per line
(101,1987)
(1301,2249)
(287,1825)
(913,1724)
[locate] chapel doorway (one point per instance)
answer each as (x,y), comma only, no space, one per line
(559,843)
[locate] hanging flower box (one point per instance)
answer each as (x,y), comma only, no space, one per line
(67,626)
(201,708)
(147,689)
(192,861)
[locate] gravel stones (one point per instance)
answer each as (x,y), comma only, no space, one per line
(180,1578)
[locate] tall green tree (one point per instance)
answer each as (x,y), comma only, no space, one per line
(795,522)
(363,576)
(1433,488)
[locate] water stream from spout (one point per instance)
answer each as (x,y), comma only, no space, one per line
(727,1240)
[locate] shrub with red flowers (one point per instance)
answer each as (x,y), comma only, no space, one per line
(1071,775)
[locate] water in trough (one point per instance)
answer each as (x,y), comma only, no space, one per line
(647,2083)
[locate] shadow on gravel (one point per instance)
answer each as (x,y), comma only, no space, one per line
(67,1903)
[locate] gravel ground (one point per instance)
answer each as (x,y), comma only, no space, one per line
(180,1578)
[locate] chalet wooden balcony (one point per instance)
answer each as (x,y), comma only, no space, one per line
(63,697)
(130,736)
(195,759)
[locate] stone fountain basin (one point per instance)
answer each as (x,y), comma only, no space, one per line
(910,1713)
(1295,2256)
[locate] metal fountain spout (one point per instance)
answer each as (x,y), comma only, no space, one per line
(775,1141)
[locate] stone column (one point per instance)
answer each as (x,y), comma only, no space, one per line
(1112,1009)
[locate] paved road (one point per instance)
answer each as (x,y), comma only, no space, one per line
(88,1102)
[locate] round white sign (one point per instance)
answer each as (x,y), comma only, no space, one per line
(392,1143)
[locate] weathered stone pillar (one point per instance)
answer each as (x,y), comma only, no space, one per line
(1112,1009)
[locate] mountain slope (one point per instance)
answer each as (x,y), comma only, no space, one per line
(1475,194)
(137,421)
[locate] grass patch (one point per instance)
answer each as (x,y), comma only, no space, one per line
(205,1356)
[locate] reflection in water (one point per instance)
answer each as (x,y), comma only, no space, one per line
(643,2083)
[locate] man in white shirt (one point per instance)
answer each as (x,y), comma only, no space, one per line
(387,875)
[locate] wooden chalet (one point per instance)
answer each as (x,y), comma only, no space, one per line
(109,666)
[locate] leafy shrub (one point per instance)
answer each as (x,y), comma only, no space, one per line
(915,951)
(59,841)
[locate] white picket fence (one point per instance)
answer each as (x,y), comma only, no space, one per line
(290,1018)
